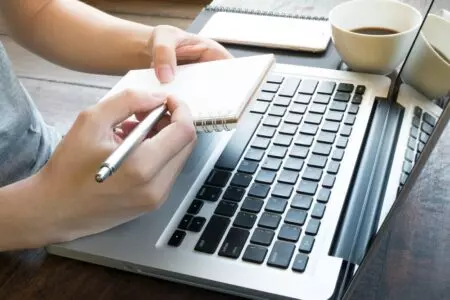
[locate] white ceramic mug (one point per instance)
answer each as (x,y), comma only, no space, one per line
(426,70)
(379,54)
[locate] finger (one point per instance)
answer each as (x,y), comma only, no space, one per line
(163,45)
(128,126)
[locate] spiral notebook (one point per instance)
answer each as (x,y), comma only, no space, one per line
(216,92)
(267,29)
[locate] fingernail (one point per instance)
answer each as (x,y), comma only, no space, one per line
(165,73)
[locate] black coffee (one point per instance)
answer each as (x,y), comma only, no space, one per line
(446,59)
(375,31)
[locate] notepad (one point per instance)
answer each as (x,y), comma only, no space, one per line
(216,92)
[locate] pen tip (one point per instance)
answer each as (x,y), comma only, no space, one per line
(102,174)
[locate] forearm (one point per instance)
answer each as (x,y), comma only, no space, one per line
(80,37)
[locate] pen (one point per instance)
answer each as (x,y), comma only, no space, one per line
(113,162)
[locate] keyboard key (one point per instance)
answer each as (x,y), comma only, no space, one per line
(234,193)
(324,195)
(343,97)
(412,143)
(283,140)
(254,154)
(262,236)
(260,107)
(420,147)
(261,143)
(357,99)
(282,190)
(185,221)
(304,140)
(318,108)
(177,238)
(427,128)
(282,101)
(311,173)
(350,120)
(295,216)
(342,142)
(345,87)
(346,130)
(234,242)
(338,154)
(418,111)
(226,208)
(326,137)
(313,119)
(360,90)
(272,121)
(333,167)
(308,86)
(293,118)
(277,151)
(331,126)
(322,149)
(307,187)
(424,137)
(269,220)
(313,227)
(275,78)
(309,129)
(303,99)
(259,190)
(264,96)
(298,108)
(318,161)
(318,210)
(409,155)
(248,166)
(306,244)
(195,207)
(294,164)
(281,255)
(245,220)
(328,181)
(277,111)
(289,129)
(353,109)
(212,235)
(254,254)
(289,233)
(276,205)
(403,178)
(301,201)
(338,106)
(429,119)
(252,205)
(218,178)
(266,131)
(287,176)
(196,224)
(300,263)
(334,116)
(407,167)
(414,132)
(299,151)
(270,87)
(289,87)
(326,87)
(272,164)
(265,176)
(209,193)
(238,143)
(321,99)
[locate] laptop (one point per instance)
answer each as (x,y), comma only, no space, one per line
(286,205)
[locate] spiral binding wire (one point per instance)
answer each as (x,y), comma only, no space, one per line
(221,8)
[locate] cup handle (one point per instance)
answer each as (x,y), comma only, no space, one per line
(446,14)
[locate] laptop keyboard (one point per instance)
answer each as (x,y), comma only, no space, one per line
(422,126)
(271,184)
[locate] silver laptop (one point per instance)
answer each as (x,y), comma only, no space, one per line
(286,205)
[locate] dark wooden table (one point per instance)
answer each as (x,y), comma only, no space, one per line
(410,260)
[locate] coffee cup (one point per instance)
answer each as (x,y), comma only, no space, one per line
(428,67)
(373,36)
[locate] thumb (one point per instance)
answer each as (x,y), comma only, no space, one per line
(163,46)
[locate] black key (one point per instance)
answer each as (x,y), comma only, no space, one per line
(427,128)
(260,142)
(353,109)
(334,116)
(254,154)
(294,164)
(299,151)
(309,129)
(304,140)
(259,190)
(307,187)
(287,176)
(283,140)
(331,126)
(338,106)
(326,87)
(289,233)
(409,155)
(234,193)
(360,90)
(342,142)
(324,195)
(321,99)
(429,119)
(275,78)
(293,118)
(416,121)
(326,137)
(254,254)
(277,111)
(195,207)
(248,166)
(265,176)
(252,205)
(245,220)
(212,235)
(306,244)
(345,87)
(295,216)
(289,87)
(282,190)
(196,224)
(424,137)
(420,147)
(318,161)
(333,167)
(407,167)
(417,156)
(235,148)
(318,108)
(184,223)
(313,119)
(357,99)
(338,154)
(177,238)
(300,263)
(269,220)
(234,242)
(282,101)
(322,149)
(298,108)
(415,131)
(266,131)
(260,107)
(403,178)
(272,121)
(272,164)
(241,179)
(277,151)
(264,96)
(226,208)
(318,210)
(262,236)
(412,143)
(418,111)
(301,201)
(281,255)
(270,87)
(289,129)
(311,173)
(313,227)
(308,86)
(303,99)
(218,178)
(346,130)
(350,120)
(210,193)
(276,205)
(328,181)
(342,97)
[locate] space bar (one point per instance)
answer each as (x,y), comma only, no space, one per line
(232,153)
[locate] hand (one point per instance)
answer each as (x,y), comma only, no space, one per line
(73,204)
(171,46)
